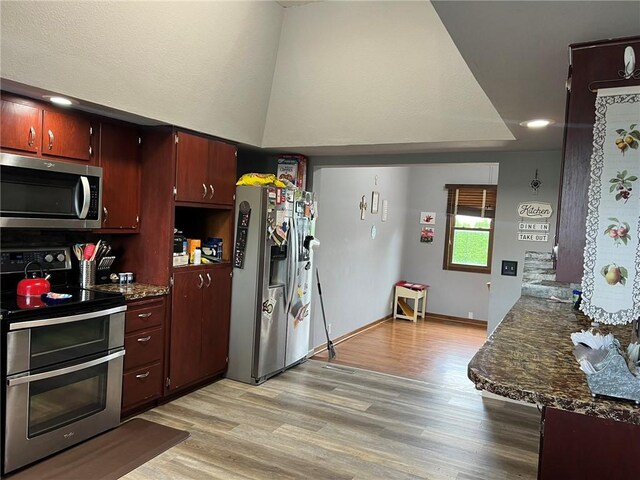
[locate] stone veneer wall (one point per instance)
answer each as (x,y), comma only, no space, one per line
(539,278)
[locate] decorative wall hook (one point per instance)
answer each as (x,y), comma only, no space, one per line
(363,207)
(536,183)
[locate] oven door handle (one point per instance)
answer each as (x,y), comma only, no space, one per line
(71,318)
(63,371)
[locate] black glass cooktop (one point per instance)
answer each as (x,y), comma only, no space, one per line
(15,308)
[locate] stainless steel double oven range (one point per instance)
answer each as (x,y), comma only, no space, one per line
(62,364)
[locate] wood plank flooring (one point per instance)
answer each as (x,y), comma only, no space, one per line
(313,422)
(430,350)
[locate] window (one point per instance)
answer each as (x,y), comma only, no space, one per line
(470,218)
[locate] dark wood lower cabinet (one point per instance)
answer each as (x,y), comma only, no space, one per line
(199,324)
(143,379)
(216,312)
(583,447)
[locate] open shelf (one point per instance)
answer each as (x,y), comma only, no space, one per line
(202,223)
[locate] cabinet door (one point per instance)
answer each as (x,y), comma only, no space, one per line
(66,135)
(120,161)
(590,63)
(215,321)
(192,176)
(21,127)
(186,319)
(222,172)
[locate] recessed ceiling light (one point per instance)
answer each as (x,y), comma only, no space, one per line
(538,123)
(60,101)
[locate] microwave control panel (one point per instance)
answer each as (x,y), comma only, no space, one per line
(15,260)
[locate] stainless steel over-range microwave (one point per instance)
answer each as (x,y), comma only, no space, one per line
(39,193)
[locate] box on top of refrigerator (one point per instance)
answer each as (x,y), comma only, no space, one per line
(294,169)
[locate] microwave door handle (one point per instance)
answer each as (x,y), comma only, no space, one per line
(63,371)
(85,197)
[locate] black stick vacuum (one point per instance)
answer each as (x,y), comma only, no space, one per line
(330,348)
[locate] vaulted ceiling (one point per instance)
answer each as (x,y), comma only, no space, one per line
(315,77)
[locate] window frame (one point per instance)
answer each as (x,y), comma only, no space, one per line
(447,263)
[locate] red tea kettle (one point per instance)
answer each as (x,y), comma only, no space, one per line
(32,287)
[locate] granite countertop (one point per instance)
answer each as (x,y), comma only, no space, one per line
(133,291)
(529,357)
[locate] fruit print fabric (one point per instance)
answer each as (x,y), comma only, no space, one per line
(611,280)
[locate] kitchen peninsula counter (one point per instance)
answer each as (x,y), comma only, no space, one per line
(134,291)
(529,357)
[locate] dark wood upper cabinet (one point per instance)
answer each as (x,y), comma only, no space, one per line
(192,168)
(121,167)
(186,328)
(21,127)
(205,170)
(594,62)
(222,172)
(216,312)
(67,135)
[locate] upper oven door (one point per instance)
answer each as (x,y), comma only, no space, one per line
(37,193)
(36,344)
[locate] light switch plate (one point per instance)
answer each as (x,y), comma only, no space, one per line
(509,268)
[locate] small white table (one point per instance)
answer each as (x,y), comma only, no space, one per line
(415,292)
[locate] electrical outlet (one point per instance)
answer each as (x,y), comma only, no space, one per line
(470,315)
(329,328)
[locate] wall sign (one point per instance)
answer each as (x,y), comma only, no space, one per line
(535,210)
(536,227)
(428,218)
(533,237)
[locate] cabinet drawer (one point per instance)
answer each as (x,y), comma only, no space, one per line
(143,348)
(142,384)
(144,315)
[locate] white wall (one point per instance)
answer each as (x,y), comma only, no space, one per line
(451,293)
(206,66)
(513,188)
(372,73)
(355,270)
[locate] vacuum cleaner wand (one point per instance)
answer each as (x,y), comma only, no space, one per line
(330,348)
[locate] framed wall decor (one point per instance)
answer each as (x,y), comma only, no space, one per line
(375,200)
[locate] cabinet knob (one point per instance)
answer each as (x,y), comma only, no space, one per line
(209,282)
(204,192)
(51,139)
(201,283)
(143,375)
(106,214)
(144,339)
(144,315)
(212,191)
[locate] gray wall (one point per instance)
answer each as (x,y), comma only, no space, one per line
(357,272)
(513,188)
(450,292)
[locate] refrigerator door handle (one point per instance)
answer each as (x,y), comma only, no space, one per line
(291,277)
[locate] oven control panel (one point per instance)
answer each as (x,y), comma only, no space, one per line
(14,260)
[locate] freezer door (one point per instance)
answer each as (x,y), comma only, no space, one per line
(269,356)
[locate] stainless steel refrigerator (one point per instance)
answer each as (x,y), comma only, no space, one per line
(272,282)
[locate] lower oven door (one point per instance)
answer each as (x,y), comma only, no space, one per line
(52,410)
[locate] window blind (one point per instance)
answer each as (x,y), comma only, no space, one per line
(472,200)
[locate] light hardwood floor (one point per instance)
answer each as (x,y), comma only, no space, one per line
(313,422)
(432,350)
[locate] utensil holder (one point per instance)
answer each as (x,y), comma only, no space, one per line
(87,273)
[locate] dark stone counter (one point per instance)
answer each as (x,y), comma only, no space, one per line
(529,357)
(134,291)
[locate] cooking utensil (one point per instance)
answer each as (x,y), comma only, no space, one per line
(35,286)
(89,250)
